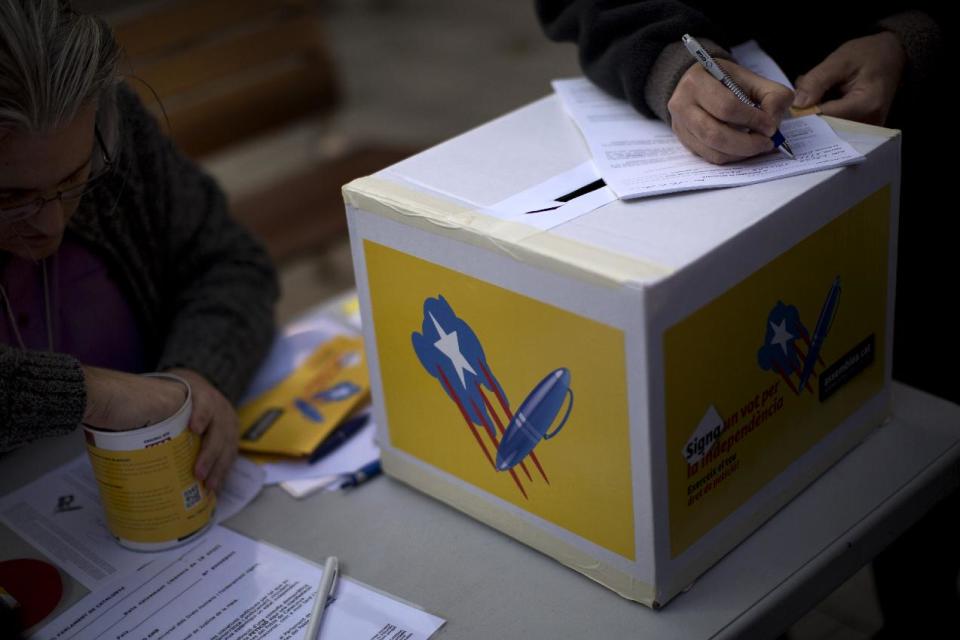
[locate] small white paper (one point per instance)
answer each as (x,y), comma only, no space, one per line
(559,199)
(545,204)
(303,488)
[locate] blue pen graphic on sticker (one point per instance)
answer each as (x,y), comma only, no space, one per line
(450,351)
(789,349)
(336,393)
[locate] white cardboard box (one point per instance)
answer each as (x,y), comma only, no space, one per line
(658,344)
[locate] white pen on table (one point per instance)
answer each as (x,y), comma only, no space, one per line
(331,571)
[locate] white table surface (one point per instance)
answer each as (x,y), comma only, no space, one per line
(489,586)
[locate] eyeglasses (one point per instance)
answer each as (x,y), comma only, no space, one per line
(21,211)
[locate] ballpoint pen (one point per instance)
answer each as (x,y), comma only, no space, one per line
(330,573)
(363,474)
(824,320)
(340,435)
(711,65)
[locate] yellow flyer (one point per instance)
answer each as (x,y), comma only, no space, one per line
(762,373)
(295,416)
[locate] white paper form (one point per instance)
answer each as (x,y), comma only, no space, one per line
(640,157)
(228,587)
(61,514)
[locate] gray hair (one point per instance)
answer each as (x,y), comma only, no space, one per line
(54,61)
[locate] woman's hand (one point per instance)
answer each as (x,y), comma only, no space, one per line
(119,401)
(865,72)
(710,121)
(215,420)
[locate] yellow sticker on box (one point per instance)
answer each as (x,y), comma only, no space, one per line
(762,373)
(522,399)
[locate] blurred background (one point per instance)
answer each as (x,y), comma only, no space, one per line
(284,101)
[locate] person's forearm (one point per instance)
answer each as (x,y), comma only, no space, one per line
(922,40)
(666,72)
(41,394)
(223,324)
(220,284)
(621,42)
(119,401)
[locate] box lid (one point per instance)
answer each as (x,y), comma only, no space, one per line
(446,188)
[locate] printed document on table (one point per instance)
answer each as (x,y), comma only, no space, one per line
(61,514)
(639,156)
(229,587)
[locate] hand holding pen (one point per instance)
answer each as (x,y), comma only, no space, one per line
(710,120)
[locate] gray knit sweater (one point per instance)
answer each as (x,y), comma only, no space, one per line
(202,288)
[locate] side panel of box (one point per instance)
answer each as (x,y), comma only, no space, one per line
(462,342)
(776,361)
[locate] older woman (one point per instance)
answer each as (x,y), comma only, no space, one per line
(117,254)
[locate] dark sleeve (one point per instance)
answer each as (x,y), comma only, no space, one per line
(631,48)
(218,281)
(41,394)
(924,42)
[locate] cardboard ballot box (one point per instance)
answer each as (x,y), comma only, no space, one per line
(637,389)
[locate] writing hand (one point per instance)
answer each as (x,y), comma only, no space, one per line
(710,120)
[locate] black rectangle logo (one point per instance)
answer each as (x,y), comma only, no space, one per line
(846,368)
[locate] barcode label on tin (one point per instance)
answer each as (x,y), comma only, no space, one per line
(191,496)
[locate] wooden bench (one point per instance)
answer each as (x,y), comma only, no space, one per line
(226,70)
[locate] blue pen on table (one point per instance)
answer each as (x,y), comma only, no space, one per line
(331,571)
(340,435)
(824,321)
(361,475)
(711,65)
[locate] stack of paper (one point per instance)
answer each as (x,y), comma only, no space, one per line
(221,585)
(639,156)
